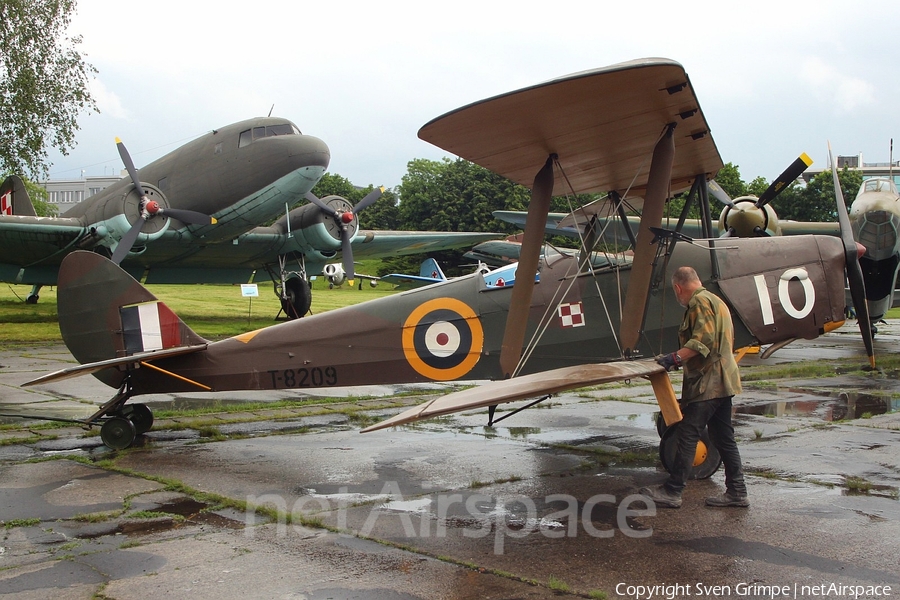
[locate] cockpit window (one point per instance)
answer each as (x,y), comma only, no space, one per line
(257,133)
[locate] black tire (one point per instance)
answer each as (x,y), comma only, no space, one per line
(661,426)
(140,415)
(117,433)
(297,297)
(704,470)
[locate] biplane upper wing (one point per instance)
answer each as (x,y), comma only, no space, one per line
(600,122)
(635,128)
(527,386)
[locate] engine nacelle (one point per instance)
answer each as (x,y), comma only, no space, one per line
(747,220)
(335,274)
(121,211)
(319,230)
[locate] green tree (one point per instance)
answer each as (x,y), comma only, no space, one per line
(456,195)
(38,196)
(816,201)
(43,83)
(729,177)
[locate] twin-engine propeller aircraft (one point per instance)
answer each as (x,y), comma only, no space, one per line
(194,216)
(634,123)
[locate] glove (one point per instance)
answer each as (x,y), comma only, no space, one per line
(669,361)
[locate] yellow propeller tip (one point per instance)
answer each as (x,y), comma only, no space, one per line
(806,159)
(872,361)
(213,220)
(118,140)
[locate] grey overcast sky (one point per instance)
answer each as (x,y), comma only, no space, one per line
(774,79)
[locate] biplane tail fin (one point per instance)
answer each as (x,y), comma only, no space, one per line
(105,314)
(14,199)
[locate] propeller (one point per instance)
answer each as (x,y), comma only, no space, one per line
(344,220)
(750,216)
(148,209)
(852,252)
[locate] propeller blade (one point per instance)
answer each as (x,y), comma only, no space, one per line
(129,166)
(720,194)
(785,179)
(854,270)
(370,198)
(127,241)
(347,254)
(315,200)
(190,217)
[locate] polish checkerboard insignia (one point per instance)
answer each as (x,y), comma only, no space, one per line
(571,315)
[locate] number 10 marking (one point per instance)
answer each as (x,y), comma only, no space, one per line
(765,301)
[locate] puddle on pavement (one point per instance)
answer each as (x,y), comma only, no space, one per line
(837,407)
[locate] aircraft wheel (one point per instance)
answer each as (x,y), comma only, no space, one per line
(706,460)
(297,297)
(661,426)
(117,433)
(140,416)
(32,299)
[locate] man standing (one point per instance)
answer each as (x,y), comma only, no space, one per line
(711,379)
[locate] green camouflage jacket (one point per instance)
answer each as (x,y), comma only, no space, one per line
(707,328)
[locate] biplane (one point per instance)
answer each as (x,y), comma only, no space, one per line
(634,126)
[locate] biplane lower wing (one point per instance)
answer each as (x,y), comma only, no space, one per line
(541,384)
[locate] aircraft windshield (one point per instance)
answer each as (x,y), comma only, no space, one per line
(257,133)
(879,185)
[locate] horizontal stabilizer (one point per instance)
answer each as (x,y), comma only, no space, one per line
(134,359)
(520,388)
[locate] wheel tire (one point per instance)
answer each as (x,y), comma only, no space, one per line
(661,426)
(32,299)
(117,433)
(297,297)
(706,462)
(140,416)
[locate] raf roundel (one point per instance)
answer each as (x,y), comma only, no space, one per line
(442,339)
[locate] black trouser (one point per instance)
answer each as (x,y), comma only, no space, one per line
(716,414)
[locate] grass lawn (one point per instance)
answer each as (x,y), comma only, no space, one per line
(213,311)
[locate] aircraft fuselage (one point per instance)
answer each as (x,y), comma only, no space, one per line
(875,218)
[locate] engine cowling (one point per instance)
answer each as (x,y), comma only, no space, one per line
(335,274)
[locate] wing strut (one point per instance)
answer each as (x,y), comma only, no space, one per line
(520,302)
(644,252)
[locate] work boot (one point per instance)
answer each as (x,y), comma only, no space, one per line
(662,496)
(729,499)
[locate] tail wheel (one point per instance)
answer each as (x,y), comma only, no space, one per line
(706,460)
(117,433)
(297,297)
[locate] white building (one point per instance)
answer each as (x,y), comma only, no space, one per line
(869,170)
(66,193)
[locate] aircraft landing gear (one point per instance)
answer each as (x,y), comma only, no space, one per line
(706,460)
(139,415)
(296,297)
(118,433)
(292,288)
(34,295)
